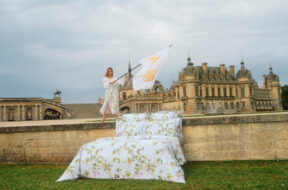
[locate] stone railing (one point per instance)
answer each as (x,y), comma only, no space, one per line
(235,137)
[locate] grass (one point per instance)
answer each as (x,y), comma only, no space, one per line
(198,175)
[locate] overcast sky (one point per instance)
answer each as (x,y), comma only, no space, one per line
(67,45)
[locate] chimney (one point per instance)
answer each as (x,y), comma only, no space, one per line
(232,70)
(204,67)
(222,68)
(264,78)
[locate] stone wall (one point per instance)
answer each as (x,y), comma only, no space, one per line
(237,137)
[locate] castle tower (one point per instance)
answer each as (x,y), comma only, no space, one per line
(126,92)
(245,88)
(272,81)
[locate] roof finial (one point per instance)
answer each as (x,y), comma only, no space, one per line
(129,66)
(189,59)
(242,64)
(270,68)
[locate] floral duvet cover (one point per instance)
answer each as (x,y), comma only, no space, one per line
(157,158)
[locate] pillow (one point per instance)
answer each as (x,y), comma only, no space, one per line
(170,127)
(130,128)
(133,117)
(163,115)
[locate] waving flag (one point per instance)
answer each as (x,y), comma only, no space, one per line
(151,66)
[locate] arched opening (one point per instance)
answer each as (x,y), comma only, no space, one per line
(52,114)
(125,109)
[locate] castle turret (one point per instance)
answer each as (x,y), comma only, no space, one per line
(274,84)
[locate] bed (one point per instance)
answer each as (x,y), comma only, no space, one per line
(146,146)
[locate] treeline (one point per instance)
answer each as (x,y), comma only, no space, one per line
(284,96)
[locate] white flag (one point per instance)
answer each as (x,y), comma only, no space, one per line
(151,66)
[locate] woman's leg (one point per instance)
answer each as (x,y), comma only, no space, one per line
(106,111)
(104,118)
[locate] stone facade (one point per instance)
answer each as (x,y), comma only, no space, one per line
(22,109)
(204,89)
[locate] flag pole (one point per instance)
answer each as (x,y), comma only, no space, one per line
(131,70)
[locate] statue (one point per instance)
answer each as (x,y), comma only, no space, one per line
(57,93)
(29,113)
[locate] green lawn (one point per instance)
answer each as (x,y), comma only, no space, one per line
(198,175)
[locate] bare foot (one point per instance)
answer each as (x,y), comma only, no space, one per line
(103,119)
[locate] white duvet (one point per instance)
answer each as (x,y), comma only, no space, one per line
(157,158)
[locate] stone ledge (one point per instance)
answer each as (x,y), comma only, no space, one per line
(62,127)
(234,119)
(206,120)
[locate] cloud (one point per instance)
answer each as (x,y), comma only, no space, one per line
(68,45)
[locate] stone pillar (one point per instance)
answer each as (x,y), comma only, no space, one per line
(147,107)
(203,90)
(23,113)
(4,113)
(35,112)
(18,112)
(228,91)
(222,90)
(210,90)
(40,112)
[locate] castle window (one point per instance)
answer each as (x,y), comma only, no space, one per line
(231,94)
(226,105)
(213,91)
(198,106)
(219,91)
(238,105)
(207,91)
(124,95)
(196,90)
(224,89)
(232,105)
(236,92)
(200,91)
(242,92)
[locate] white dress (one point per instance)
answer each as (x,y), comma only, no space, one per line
(111,101)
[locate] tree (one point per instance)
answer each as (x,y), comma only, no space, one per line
(284,96)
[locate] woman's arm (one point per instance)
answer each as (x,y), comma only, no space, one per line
(106,83)
(122,80)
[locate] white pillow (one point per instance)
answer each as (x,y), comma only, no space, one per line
(170,127)
(163,115)
(133,117)
(130,128)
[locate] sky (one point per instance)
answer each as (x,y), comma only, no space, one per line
(68,44)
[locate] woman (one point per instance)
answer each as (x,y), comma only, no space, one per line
(111,102)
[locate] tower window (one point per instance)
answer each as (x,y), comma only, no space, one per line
(124,95)
(242,92)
